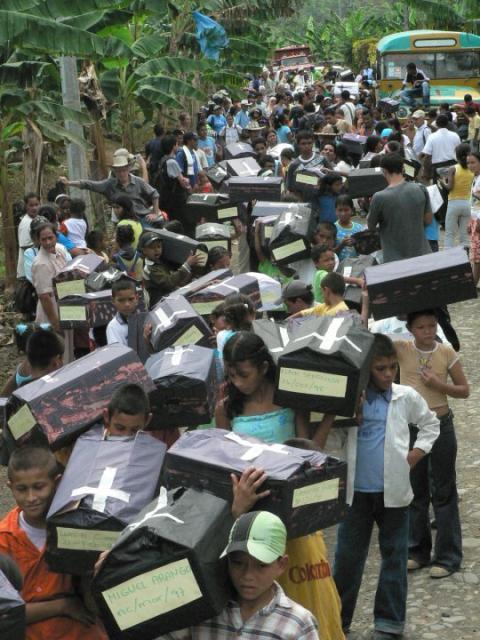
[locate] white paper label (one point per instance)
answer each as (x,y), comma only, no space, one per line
(409,170)
(288,250)
(303,178)
(85,539)
(229,212)
(205,308)
(73,314)
(314,493)
(215,243)
(191,336)
(22,422)
(313,383)
(267,230)
(152,594)
(70,288)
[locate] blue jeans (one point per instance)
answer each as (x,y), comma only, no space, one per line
(353,539)
(409,95)
(433,480)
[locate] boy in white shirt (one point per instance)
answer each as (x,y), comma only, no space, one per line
(125,301)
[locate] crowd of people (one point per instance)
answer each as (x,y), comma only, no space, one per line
(401,454)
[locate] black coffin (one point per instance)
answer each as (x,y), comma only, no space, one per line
(365,182)
(164,572)
(307,487)
(291,235)
(423,282)
(185,386)
(107,482)
(175,322)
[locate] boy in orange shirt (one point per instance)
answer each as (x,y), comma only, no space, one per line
(53,610)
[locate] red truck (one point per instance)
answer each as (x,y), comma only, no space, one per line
(293,58)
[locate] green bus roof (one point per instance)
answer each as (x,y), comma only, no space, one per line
(402,42)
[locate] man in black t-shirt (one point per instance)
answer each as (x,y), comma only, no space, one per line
(420,86)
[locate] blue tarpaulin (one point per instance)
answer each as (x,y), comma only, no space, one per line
(210,35)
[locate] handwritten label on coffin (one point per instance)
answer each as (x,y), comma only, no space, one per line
(289,249)
(302,178)
(191,336)
(314,493)
(22,422)
(314,383)
(215,243)
(229,212)
(152,594)
(73,314)
(85,539)
(70,288)
(205,308)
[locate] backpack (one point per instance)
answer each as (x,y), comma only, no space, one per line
(25,297)
(130,271)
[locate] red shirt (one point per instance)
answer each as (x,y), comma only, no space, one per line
(41,584)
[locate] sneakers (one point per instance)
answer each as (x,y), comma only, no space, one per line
(413,565)
(437,572)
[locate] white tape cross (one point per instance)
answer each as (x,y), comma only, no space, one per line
(103,491)
(255,449)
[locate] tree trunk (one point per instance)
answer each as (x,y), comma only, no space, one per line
(406,18)
(32,157)
(96,135)
(8,226)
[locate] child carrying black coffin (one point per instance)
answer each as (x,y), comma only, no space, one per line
(125,301)
(53,609)
(159,278)
(260,609)
(44,353)
(129,412)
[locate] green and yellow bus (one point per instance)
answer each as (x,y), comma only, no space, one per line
(451,59)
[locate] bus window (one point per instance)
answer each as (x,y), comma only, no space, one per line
(461,64)
(394,65)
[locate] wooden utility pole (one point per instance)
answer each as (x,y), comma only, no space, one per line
(76,156)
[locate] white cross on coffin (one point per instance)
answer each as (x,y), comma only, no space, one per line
(255,449)
(103,491)
(326,341)
(166,320)
(224,283)
(160,504)
(177,353)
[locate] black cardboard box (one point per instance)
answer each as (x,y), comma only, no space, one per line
(388,105)
(291,235)
(78,269)
(308,180)
(323,363)
(86,310)
(175,322)
(205,300)
(102,280)
(56,409)
(263,208)
(177,247)
(244,167)
(185,386)
(213,234)
(13,622)
(365,182)
(424,282)
(307,487)
(244,189)
(213,277)
(217,174)
(106,483)
(355,144)
(238,150)
(355,268)
(164,572)
(366,242)
(214,207)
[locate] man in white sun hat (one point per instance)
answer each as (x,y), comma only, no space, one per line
(123,183)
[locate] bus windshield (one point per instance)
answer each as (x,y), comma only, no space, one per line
(442,64)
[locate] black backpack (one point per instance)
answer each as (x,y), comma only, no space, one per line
(25,297)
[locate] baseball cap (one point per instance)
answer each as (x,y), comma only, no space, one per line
(147,238)
(294,289)
(386,132)
(261,534)
(419,113)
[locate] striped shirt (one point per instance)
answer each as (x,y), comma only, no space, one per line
(280,619)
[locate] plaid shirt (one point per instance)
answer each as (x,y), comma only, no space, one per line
(280,619)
